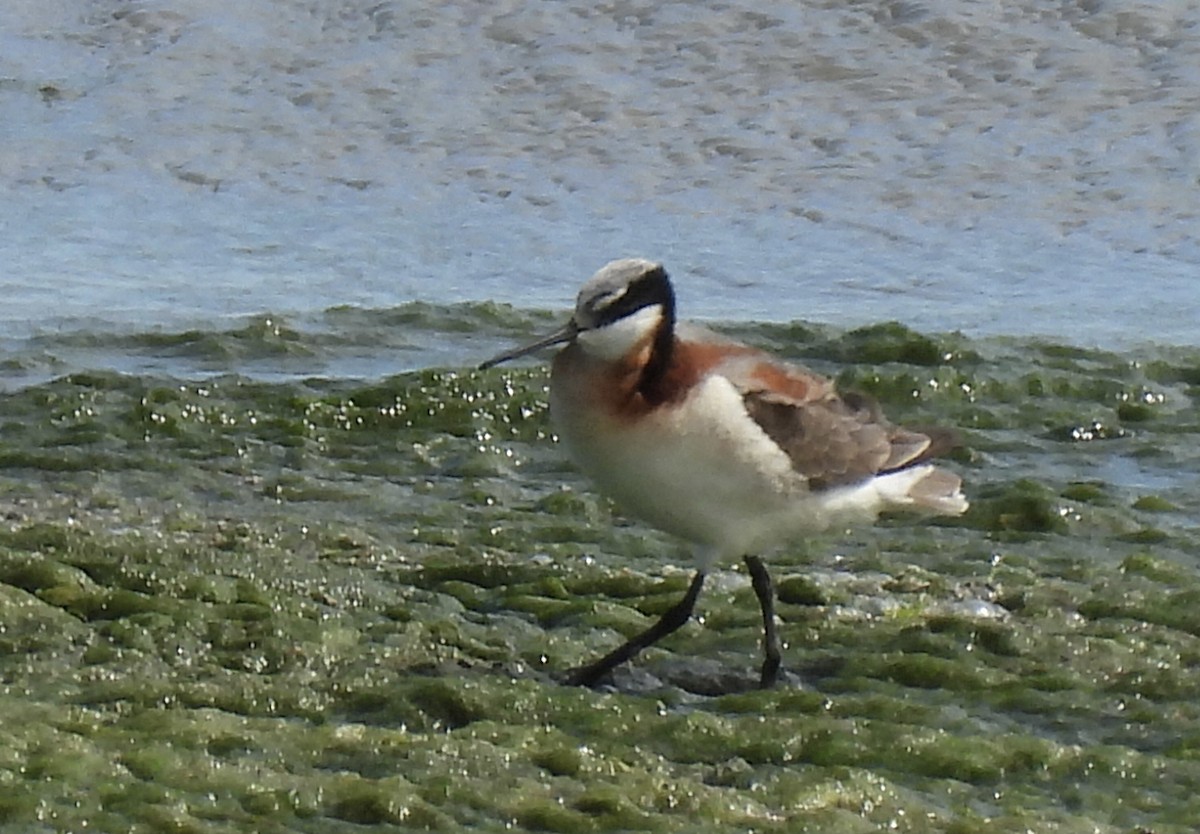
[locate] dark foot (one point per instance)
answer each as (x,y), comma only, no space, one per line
(670,621)
(764,589)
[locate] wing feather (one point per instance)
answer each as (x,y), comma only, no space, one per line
(831,438)
(835,439)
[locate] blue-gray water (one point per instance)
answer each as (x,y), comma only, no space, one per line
(273,559)
(995,168)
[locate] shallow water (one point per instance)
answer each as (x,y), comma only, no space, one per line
(1011,169)
(272,557)
(275,604)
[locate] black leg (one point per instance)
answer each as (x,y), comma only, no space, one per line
(765,591)
(676,616)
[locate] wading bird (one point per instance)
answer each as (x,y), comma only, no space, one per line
(719,443)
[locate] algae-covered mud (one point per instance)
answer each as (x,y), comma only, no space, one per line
(235,598)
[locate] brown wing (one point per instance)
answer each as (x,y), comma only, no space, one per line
(831,438)
(834,440)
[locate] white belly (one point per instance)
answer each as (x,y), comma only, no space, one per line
(702,470)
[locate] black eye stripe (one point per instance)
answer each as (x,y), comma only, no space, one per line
(649,288)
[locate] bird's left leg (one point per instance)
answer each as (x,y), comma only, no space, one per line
(760,580)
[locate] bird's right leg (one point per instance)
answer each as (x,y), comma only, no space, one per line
(670,621)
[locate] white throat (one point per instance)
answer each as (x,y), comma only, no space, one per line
(614,340)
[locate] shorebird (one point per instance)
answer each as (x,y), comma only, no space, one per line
(718,443)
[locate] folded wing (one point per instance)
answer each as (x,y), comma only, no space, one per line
(832,439)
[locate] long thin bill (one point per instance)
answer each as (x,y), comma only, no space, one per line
(564,334)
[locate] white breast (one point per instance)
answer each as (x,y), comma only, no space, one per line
(703,470)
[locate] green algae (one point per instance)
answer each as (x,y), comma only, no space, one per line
(236,605)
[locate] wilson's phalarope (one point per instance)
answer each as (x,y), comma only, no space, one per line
(720,443)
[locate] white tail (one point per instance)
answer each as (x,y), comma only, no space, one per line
(925,488)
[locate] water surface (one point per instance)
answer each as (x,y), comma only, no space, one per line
(272,557)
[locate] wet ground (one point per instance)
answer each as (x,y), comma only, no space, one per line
(236,603)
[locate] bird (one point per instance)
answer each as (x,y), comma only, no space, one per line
(719,443)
